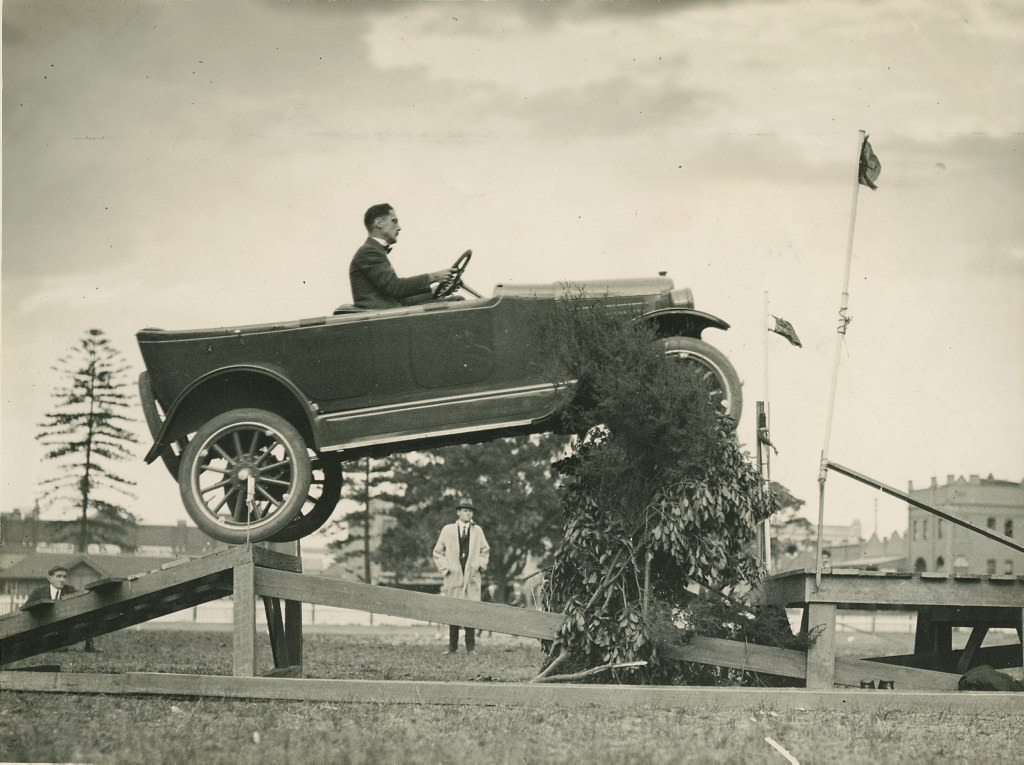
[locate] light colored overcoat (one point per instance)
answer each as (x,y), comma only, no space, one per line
(446,558)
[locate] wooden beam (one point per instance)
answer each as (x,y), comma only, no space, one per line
(376,599)
(530,695)
(788,662)
(275,628)
(821,653)
(995,535)
(973,644)
(718,652)
(868,589)
(996,656)
(293,633)
(244,644)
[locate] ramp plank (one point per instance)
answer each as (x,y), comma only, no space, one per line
(324,591)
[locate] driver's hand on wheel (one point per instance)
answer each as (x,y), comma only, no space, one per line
(444,275)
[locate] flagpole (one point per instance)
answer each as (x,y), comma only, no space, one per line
(844,320)
(767,475)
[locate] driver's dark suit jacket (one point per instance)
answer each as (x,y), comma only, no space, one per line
(375,283)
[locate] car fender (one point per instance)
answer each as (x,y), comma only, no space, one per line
(299,408)
(682,322)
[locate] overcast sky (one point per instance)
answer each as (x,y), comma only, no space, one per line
(190,164)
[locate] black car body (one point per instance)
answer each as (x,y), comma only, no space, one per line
(362,383)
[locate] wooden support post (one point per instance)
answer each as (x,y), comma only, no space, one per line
(1020,636)
(973,644)
(821,653)
(293,633)
(275,628)
(934,636)
(285,623)
(244,656)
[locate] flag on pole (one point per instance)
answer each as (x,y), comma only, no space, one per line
(762,436)
(784,328)
(870,167)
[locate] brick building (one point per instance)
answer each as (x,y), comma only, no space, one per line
(29,546)
(934,544)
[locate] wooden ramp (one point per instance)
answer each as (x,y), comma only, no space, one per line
(252,574)
(112,604)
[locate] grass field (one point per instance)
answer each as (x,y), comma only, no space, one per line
(38,727)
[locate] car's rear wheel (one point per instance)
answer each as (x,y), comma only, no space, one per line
(713,368)
(171,454)
(245,475)
(324,493)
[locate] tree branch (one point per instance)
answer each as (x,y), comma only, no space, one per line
(541,678)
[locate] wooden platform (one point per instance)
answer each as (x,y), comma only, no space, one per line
(940,601)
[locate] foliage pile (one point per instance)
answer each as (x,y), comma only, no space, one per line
(84,436)
(658,497)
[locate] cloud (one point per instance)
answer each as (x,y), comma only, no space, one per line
(824,67)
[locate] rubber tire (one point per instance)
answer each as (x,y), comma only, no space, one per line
(308,522)
(716,362)
(284,434)
(155,421)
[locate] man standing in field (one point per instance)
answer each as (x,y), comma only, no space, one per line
(461,555)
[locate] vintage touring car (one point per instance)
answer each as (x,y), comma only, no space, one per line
(254,421)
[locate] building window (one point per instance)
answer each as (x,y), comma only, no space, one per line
(1008,527)
(1008,567)
(940,564)
(990,566)
(920,565)
(924,529)
(938,528)
(913,530)
(991,523)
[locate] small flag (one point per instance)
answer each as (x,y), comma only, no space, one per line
(784,328)
(870,167)
(762,436)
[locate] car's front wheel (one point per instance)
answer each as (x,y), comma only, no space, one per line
(244,475)
(713,368)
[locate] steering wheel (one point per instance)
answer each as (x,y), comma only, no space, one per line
(446,288)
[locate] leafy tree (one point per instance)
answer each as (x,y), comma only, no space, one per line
(797,531)
(512,485)
(85,436)
(658,496)
(788,504)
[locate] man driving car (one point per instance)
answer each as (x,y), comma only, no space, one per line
(374,282)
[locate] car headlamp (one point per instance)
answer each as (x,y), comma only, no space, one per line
(682,297)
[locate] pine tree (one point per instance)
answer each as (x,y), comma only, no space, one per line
(84,437)
(366,484)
